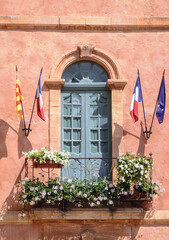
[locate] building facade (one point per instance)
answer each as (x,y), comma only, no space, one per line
(88,50)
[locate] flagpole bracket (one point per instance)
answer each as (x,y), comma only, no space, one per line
(27,130)
(147,133)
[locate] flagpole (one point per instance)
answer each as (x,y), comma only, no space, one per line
(24,129)
(33,107)
(143,110)
(155,109)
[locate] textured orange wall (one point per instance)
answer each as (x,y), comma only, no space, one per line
(31,50)
(84,7)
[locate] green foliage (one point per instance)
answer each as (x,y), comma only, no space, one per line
(48,154)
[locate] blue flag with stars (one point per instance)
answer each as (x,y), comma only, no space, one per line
(161,102)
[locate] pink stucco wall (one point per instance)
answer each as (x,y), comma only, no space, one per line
(85,8)
(30,50)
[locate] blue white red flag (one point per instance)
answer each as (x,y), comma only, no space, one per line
(136,98)
(161,102)
(39,100)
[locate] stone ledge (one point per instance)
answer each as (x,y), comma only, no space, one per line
(87,216)
(84,23)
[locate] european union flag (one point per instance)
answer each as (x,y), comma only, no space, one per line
(161,102)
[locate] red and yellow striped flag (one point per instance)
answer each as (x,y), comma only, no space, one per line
(19,96)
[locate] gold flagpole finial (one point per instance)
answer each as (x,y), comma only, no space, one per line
(16,68)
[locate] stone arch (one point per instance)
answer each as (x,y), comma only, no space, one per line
(116,84)
(87,52)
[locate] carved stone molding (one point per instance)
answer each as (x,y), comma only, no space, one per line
(116,84)
(85,50)
(87,236)
(55,83)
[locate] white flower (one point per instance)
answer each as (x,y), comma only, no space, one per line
(72,186)
(26,178)
(79,193)
(98,202)
(24,196)
(92,204)
(69,180)
(110,185)
(106,188)
(32,203)
(48,201)
(55,187)
(85,195)
(95,199)
(31,188)
(112,190)
(105,198)
(36,198)
(110,202)
(61,187)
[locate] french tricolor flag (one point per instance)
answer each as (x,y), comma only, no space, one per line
(136,98)
(39,100)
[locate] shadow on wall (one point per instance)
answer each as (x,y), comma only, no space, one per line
(142,140)
(24,145)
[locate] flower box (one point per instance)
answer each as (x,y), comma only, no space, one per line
(46,164)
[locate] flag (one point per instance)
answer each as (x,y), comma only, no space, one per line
(39,100)
(161,102)
(19,96)
(136,98)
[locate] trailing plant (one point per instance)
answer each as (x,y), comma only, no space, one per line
(48,154)
(79,192)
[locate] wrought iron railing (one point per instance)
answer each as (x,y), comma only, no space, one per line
(79,168)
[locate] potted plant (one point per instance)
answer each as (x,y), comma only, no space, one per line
(47,157)
(134,177)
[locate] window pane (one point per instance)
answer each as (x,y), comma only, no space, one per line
(76,135)
(94,135)
(76,122)
(77,147)
(67,134)
(104,134)
(103,122)
(76,99)
(93,110)
(67,122)
(94,147)
(103,110)
(94,122)
(104,147)
(76,110)
(67,146)
(67,110)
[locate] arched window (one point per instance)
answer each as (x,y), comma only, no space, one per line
(85,118)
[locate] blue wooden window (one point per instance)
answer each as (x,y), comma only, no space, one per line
(85,115)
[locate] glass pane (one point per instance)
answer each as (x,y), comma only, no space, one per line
(94,134)
(76,99)
(104,134)
(77,147)
(85,66)
(67,122)
(67,134)
(94,122)
(93,110)
(104,147)
(103,110)
(73,68)
(79,76)
(67,99)
(85,74)
(76,134)
(94,98)
(67,77)
(67,146)
(94,147)
(97,69)
(103,122)
(103,99)
(67,110)
(76,110)
(76,122)
(92,76)
(103,77)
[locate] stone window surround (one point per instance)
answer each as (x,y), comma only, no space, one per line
(116,84)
